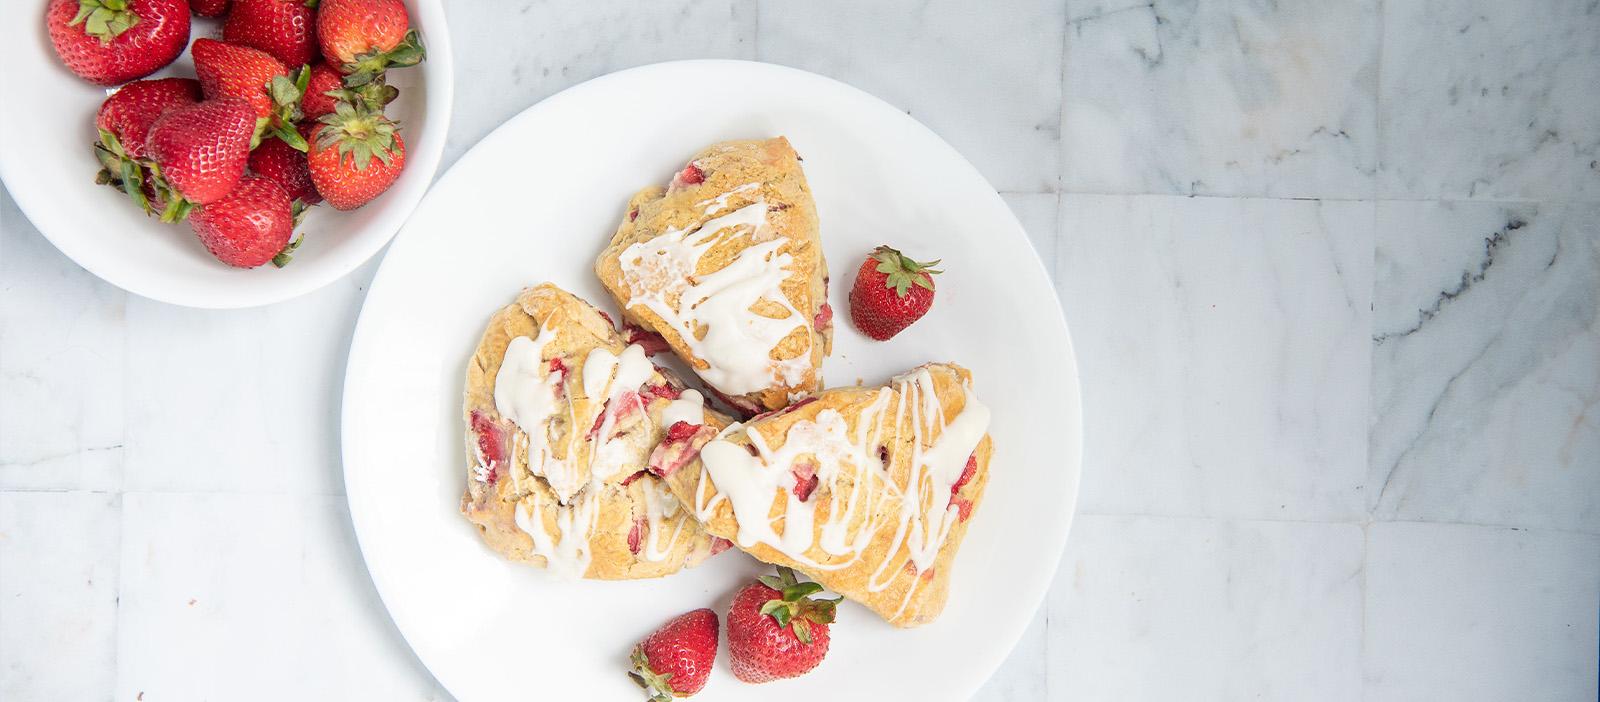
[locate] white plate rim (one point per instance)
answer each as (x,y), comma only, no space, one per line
(1038,582)
(37,203)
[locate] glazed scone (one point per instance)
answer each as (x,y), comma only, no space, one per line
(867,490)
(726,265)
(561,417)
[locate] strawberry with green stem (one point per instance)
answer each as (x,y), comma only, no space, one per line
(363,38)
(124,121)
(114,41)
(891,291)
(776,630)
(675,660)
(235,70)
(356,154)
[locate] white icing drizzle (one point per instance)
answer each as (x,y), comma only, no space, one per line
(720,202)
(659,504)
(689,407)
(527,394)
(737,341)
(923,515)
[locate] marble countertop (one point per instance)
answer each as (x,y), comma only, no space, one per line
(1332,269)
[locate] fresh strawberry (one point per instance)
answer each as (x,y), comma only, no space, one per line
(775,630)
(676,660)
(208,8)
(285,165)
(129,112)
(123,122)
(249,226)
(115,41)
(890,293)
(200,152)
(355,155)
(362,38)
(326,90)
(317,101)
(287,29)
(236,70)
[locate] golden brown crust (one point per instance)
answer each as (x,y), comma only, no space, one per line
(618,504)
(740,173)
(881,575)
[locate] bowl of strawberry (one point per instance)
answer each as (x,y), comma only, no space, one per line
(222,153)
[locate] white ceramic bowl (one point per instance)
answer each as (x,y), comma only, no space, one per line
(46,160)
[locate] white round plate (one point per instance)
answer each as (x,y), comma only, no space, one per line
(46,160)
(535,201)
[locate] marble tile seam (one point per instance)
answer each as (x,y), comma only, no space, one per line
(1368,521)
(1402,200)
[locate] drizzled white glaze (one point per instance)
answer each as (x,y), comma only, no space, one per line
(527,394)
(689,407)
(922,516)
(736,341)
(659,504)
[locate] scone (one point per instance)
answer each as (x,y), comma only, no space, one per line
(866,490)
(726,265)
(561,418)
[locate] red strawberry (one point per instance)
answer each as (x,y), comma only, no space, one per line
(317,102)
(129,112)
(200,151)
(235,70)
(890,293)
(287,29)
(208,8)
(355,155)
(115,41)
(775,630)
(362,38)
(249,226)
(285,165)
(676,660)
(326,90)
(123,122)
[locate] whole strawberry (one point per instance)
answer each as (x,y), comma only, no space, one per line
(208,8)
(355,155)
(249,226)
(129,112)
(115,41)
(287,29)
(285,165)
(891,292)
(200,151)
(676,660)
(325,90)
(363,37)
(123,122)
(775,630)
(236,70)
